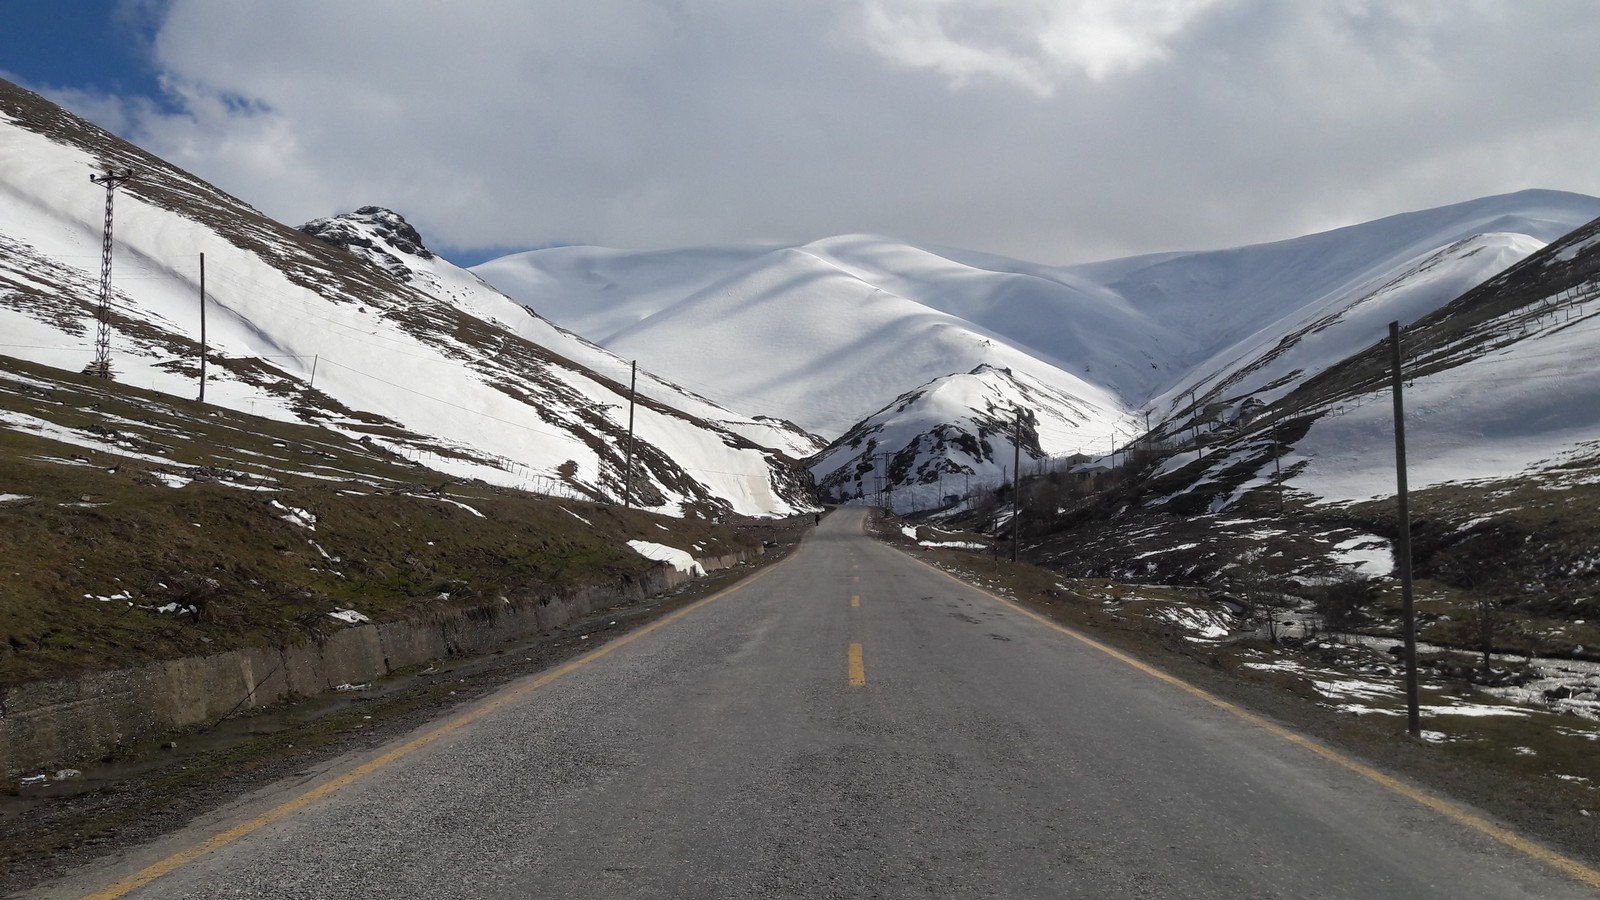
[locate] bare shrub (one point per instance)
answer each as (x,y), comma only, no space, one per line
(1342,601)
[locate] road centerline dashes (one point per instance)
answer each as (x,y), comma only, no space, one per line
(858,669)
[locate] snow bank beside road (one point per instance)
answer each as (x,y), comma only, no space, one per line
(678,559)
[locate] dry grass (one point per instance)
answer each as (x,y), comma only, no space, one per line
(221,553)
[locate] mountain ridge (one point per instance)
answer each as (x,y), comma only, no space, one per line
(856,318)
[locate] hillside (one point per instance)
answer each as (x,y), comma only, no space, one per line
(823,333)
(1502,401)
(407,351)
(142,526)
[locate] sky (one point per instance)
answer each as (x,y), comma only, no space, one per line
(1056,131)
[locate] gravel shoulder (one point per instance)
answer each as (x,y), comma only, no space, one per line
(1563,816)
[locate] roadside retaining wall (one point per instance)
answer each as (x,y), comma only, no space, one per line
(48,724)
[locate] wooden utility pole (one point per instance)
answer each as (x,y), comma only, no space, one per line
(888,484)
(1194,420)
(627,477)
(202,328)
(1403,551)
(1016,485)
(1277,460)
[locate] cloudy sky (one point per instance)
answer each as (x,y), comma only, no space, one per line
(1051,130)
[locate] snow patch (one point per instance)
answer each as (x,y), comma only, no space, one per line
(1371,557)
(295,516)
(678,559)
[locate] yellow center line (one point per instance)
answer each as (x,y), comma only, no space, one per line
(858,670)
(1449,810)
(506,698)
(855,601)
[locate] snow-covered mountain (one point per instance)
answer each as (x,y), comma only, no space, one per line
(824,332)
(387,240)
(1501,382)
(389,341)
(929,444)
(362,328)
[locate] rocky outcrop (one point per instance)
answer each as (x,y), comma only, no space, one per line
(375,234)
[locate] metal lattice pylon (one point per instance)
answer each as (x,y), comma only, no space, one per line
(101,367)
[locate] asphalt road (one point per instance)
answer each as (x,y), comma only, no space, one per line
(854,724)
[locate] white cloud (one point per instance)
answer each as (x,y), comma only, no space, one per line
(1046,129)
(1032,43)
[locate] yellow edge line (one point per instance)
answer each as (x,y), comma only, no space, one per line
(1449,810)
(858,670)
(184,857)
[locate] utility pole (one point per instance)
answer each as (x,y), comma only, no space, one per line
(1403,553)
(1277,460)
(101,367)
(888,485)
(1016,485)
(627,478)
(312,383)
(202,328)
(1194,419)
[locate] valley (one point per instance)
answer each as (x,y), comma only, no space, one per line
(1189,454)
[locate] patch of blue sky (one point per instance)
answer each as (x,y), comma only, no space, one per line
(94,46)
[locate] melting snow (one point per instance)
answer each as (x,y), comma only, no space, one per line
(452,503)
(1368,555)
(952,545)
(1203,625)
(296,516)
(678,559)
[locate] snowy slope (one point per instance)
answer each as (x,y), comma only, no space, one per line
(956,434)
(1501,383)
(387,240)
(822,333)
(1243,302)
(848,321)
(468,395)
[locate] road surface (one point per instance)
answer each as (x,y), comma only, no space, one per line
(850,723)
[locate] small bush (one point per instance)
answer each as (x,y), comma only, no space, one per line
(1343,601)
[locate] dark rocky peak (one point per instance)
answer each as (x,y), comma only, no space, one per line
(375,234)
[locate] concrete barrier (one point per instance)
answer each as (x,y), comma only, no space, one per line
(52,724)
